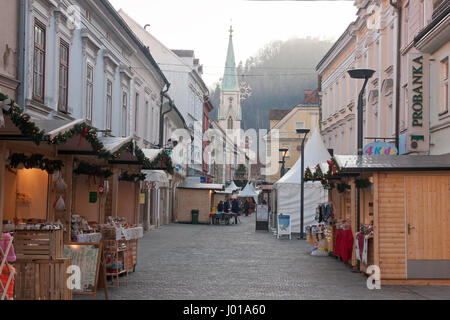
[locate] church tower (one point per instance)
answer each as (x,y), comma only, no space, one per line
(230,114)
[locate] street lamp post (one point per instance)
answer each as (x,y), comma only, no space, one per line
(365,74)
(302,187)
(282,162)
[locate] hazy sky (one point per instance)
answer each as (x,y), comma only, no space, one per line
(202,25)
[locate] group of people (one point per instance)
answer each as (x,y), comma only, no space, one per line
(235,207)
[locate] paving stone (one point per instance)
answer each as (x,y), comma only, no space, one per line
(193,262)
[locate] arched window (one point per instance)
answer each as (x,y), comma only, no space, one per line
(230,123)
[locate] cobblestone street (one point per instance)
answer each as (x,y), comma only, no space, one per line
(235,262)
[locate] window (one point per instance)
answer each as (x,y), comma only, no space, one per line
(89,91)
(136,114)
(299,125)
(124,114)
(39,61)
(109,105)
(230,123)
(444,85)
(63,76)
(146,120)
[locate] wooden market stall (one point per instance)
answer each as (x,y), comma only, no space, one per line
(32,206)
(195,196)
(404,210)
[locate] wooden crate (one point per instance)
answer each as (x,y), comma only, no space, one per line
(39,245)
(42,279)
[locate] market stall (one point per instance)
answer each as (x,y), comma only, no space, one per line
(32,206)
(195,196)
(404,207)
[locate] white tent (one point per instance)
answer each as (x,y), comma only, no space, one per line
(287,189)
(233,186)
(249,192)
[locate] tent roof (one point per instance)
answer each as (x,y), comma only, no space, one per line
(248,192)
(315,152)
(233,186)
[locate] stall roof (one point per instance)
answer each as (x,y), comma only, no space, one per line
(113,144)
(55,127)
(354,163)
(158,176)
(201,186)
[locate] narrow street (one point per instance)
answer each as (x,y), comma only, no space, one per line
(183,261)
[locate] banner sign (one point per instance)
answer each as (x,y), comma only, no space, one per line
(380,149)
(418,103)
(284,225)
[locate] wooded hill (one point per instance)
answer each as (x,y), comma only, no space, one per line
(278,75)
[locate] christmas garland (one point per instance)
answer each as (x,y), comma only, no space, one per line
(134,177)
(329,186)
(162,161)
(342,187)
(22,121)
(319,176)
(308,175)
(35,161)
(87,132)
(92,170)
(333,168)
(362,183)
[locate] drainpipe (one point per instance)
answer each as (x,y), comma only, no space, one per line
(161,115)
(23,8)
(398,8)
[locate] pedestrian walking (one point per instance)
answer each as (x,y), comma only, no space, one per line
(246,207)
(235,208)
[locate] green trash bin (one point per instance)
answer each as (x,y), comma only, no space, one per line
(195,214)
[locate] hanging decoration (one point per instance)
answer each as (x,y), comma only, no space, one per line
(342,187)
(92,170)
(163,161)
(363,183)
(87,132)
(319,176)
(36,161)
(21,120)
(308,175)
(134,177)
(329,186)
(333,168)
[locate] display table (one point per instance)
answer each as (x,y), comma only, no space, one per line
(344,244)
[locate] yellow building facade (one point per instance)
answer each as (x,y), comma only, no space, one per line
(282,134)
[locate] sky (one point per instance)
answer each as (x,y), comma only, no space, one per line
(202,25)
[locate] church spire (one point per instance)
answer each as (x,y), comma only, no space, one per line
(230,78)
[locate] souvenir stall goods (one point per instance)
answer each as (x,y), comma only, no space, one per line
(318,236)
(344,240)
(325,213)
(7,271)
(364,246)
(82,231)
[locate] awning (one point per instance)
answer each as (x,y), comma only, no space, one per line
(157,176)
(357,164)
(201,186)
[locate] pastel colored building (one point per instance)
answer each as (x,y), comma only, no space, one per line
(285,122)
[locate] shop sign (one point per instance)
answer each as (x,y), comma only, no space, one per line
(93,196)
(380,149)
(284,225)
(419,103)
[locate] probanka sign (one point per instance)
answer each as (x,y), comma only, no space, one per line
(418,103)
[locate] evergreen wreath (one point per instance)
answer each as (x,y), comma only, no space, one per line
(22,121)
(92,170)
(36,161)
(363,183)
